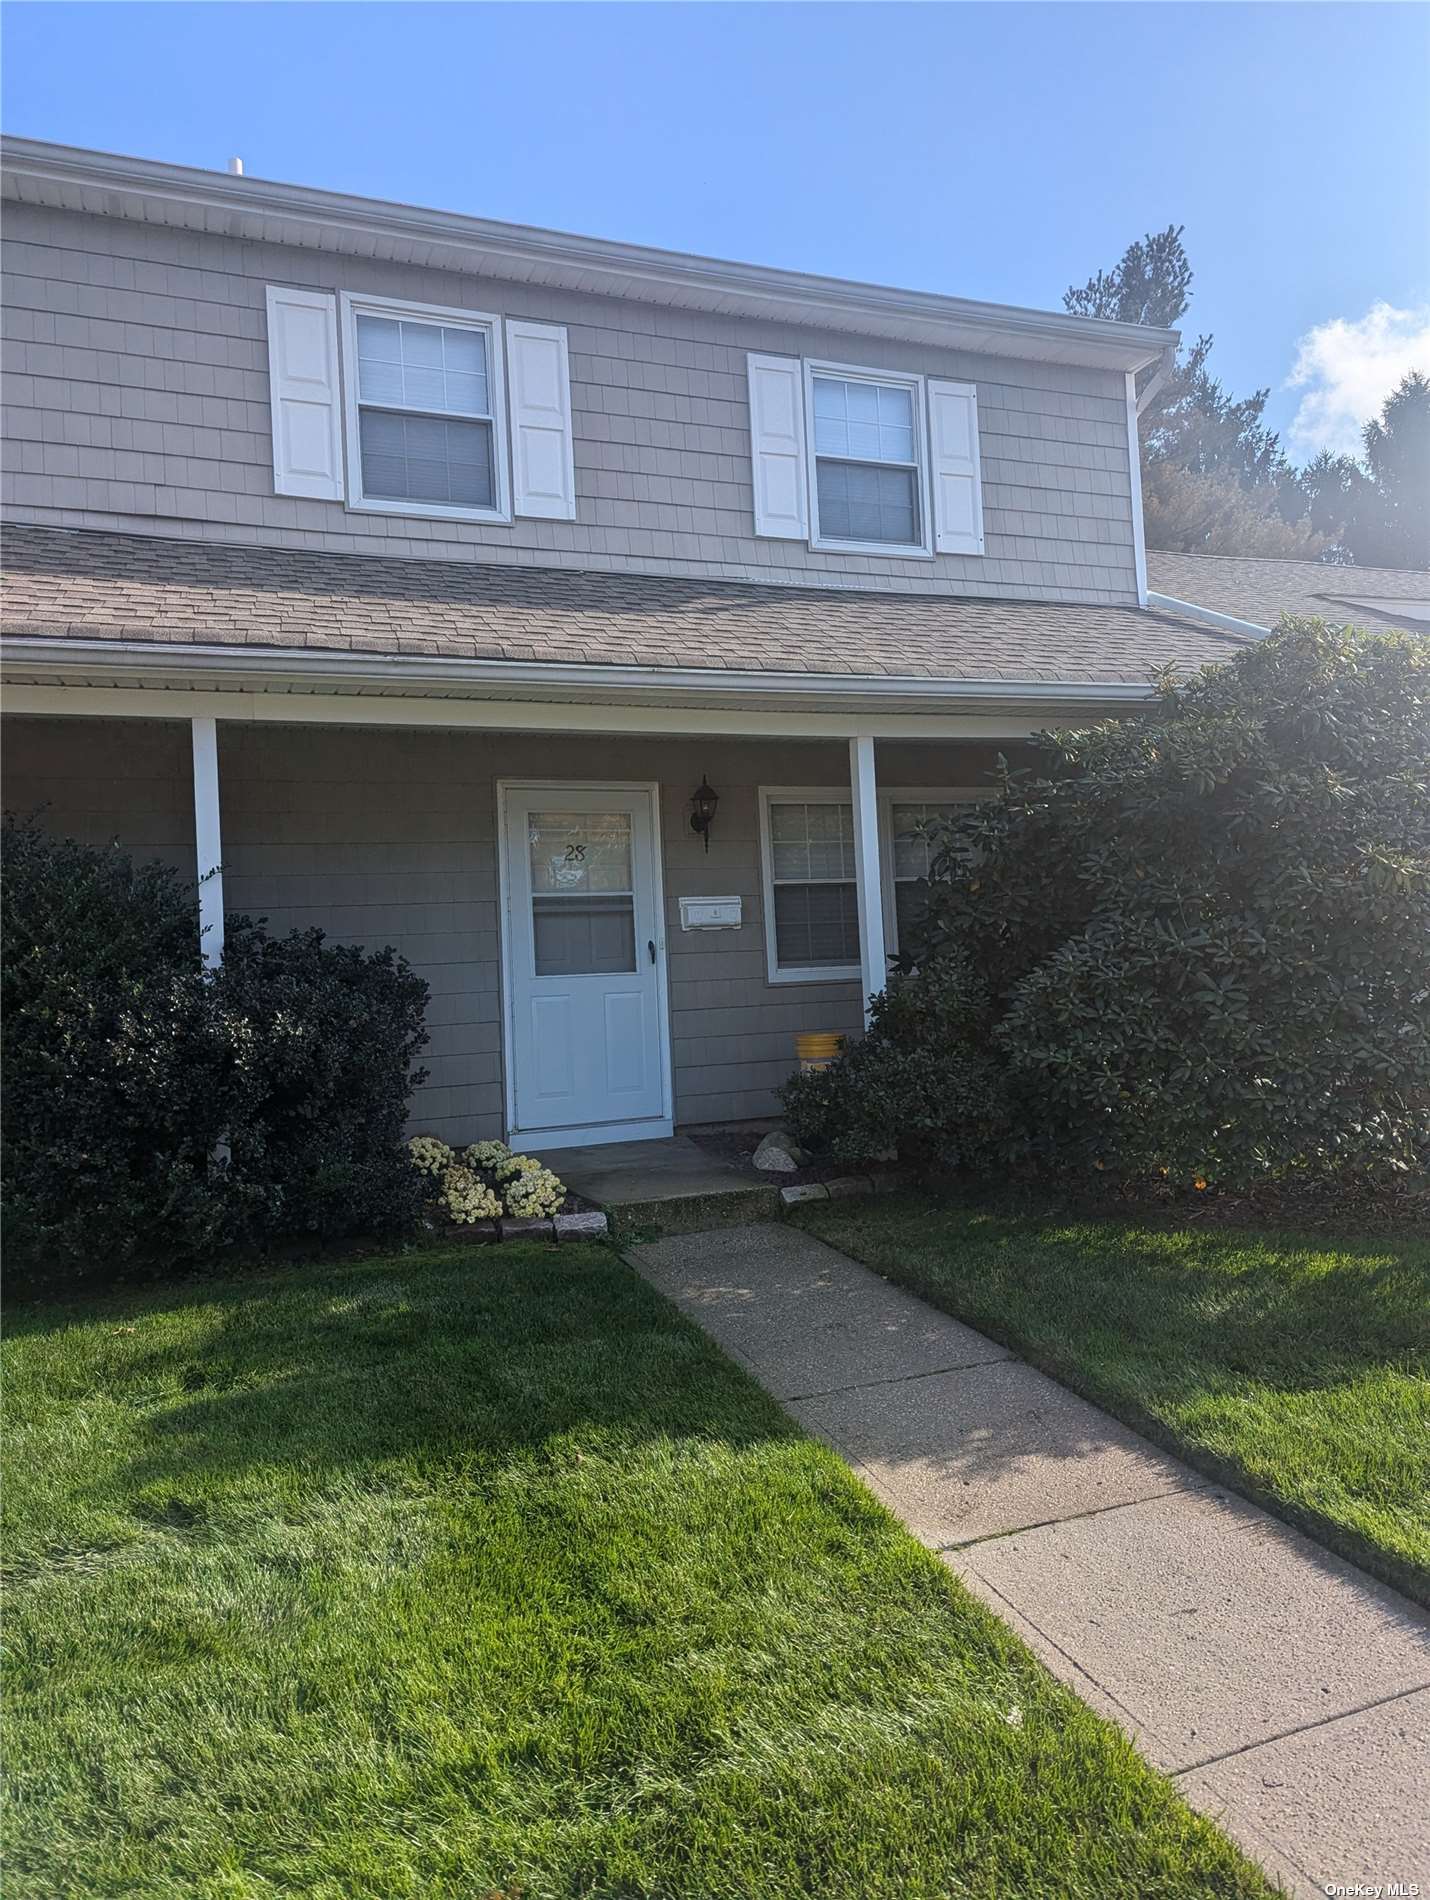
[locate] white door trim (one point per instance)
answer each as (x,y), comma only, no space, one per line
(590,1135)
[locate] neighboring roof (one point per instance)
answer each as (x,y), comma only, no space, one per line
(1261,590)
(67,586)
(70,178)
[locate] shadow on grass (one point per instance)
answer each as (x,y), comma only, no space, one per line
(466,1363)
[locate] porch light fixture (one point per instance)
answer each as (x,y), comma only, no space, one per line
(703,801)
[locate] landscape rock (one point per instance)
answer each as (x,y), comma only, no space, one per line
(848,1185)
(779,1153)
(804,1191)
(590,1226)
(515,1227)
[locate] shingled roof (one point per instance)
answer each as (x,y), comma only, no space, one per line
(1261,590)
(67,585)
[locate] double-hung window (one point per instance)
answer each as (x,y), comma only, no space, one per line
(870,487)
(908,853)
(425,410)
(863,461)
(811,899)
(811,893)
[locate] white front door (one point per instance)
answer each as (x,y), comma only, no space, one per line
(585,964)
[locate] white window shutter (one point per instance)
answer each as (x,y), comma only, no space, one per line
(777,447)
(542,455)
(303,393)
(957,486)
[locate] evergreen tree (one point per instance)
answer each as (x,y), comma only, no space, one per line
(1191,422)
(1331,490)
(1214,514)
(1396,532)
(1215,478)
(1152,284)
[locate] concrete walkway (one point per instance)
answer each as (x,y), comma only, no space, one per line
(1286,1692)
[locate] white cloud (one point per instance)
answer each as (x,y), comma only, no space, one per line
(1348,369)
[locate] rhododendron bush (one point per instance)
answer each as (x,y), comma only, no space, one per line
(1193,944)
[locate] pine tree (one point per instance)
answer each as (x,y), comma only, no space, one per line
(1215,478)
(1191,422)
(1396,533)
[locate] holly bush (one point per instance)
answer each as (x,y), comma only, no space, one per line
(154,1114)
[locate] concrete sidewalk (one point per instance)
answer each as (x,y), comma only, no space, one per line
(1287,1693)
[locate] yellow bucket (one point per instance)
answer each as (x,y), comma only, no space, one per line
(818,1049)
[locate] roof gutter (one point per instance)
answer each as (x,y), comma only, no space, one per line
(1190,610)
(334,672)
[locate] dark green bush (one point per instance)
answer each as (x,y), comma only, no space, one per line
(922,1082)
(117,1072)
(154,1115)
(326,1036)
(1202,937)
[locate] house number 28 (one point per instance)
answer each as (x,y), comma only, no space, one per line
(575,854)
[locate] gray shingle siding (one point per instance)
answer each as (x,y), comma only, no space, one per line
(390,837)
(137,399)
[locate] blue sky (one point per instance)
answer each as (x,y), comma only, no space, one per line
(997,151)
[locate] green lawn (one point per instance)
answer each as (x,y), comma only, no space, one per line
(482,1572)
(1294,1368)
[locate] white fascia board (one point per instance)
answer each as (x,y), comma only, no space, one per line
(114,185)
(1190,610)
(337,708)
(286,672)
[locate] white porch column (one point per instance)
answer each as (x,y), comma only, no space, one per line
(873,962)
(208,840)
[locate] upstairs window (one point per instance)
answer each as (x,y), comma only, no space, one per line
(869,486)
(425,411)
(864,461)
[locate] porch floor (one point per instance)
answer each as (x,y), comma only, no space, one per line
(623,1173)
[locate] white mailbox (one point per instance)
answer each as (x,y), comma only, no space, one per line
(710,913)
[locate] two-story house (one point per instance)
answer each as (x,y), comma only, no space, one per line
(593,623)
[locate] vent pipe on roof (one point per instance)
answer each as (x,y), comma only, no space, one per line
(235,165)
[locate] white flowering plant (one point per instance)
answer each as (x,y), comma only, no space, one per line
(534,1192)
(486,1154)
(514,1165)
(467,1197)
(429,1155)
(486,1181)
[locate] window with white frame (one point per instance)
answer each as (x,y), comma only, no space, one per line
(864,461)
(866,433)
(908,856)
(811,897)
(811,891)
(425,408)
(406,408)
